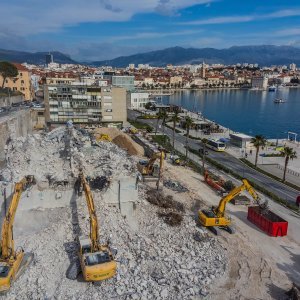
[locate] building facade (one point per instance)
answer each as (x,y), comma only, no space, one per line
(137,100)
(21,83)
(84,104)
(260,82)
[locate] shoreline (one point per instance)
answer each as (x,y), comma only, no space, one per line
(209,89)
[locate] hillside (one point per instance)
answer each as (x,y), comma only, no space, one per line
(263,55)
(37,58)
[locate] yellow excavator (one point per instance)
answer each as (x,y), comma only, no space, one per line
(96,261)
(149,168)
(216,218)
(13,262)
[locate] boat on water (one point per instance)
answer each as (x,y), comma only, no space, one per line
(272,88)
(279,100)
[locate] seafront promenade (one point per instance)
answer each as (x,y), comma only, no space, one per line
(273,165)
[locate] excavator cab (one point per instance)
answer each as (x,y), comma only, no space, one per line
(96,266)
(216,217)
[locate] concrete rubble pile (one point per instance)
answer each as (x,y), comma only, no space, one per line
(175,186)
(157,261)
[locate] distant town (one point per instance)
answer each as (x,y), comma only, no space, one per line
(67,88)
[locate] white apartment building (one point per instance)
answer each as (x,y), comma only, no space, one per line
(137,100)
(84,104)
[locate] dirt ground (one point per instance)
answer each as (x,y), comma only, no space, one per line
(259,266)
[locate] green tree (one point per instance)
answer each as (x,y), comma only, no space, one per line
(7,70)
(258,141)
(188,124)
(175,120)
(164,116)
(289,154)
(148,105)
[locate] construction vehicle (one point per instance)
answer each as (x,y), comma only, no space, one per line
(96,261)
(103,137)
(149,168)
(13,262)
(175,159)
(133,130)
(216,217)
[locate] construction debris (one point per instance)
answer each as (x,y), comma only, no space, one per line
(172,218)
(158,261)
(120,139)
(175,186)
(157,198)
(294,292)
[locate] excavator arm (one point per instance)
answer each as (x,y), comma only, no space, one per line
(158,155)
(92,212)
(7,242)
(220,210)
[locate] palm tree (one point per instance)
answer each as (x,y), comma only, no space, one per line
(258,141)
(175,119)
(164,116)
(159,117)
(188,125)
(288,153)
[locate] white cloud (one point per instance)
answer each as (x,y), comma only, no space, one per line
(39,16)
(151,35)
(288,32)
(220,20)
(243,19)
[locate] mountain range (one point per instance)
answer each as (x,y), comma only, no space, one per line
(265,55)
(37,58)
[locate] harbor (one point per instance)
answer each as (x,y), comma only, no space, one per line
(250,112)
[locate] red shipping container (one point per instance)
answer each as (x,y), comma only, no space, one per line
(269,222)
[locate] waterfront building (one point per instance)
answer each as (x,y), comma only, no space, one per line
(283,79)
(175,80)
(21,83)
(85,104)
(126,82)
(260,82)
(241,140)
(137,100)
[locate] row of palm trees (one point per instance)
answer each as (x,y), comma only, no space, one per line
(162,115)
(288,153)
(258,141)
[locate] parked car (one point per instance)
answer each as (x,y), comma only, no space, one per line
(298,201)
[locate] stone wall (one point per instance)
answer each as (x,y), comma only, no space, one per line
(8,101)
(15,125)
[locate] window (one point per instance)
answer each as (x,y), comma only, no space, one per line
(108,110)
(21,74)
(22,81)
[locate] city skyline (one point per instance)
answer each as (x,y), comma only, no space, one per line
(107,29)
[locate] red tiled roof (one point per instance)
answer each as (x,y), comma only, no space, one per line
(20,67)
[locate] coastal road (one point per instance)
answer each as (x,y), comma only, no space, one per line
(281,190)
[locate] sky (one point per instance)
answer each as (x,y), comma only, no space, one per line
(104,29)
